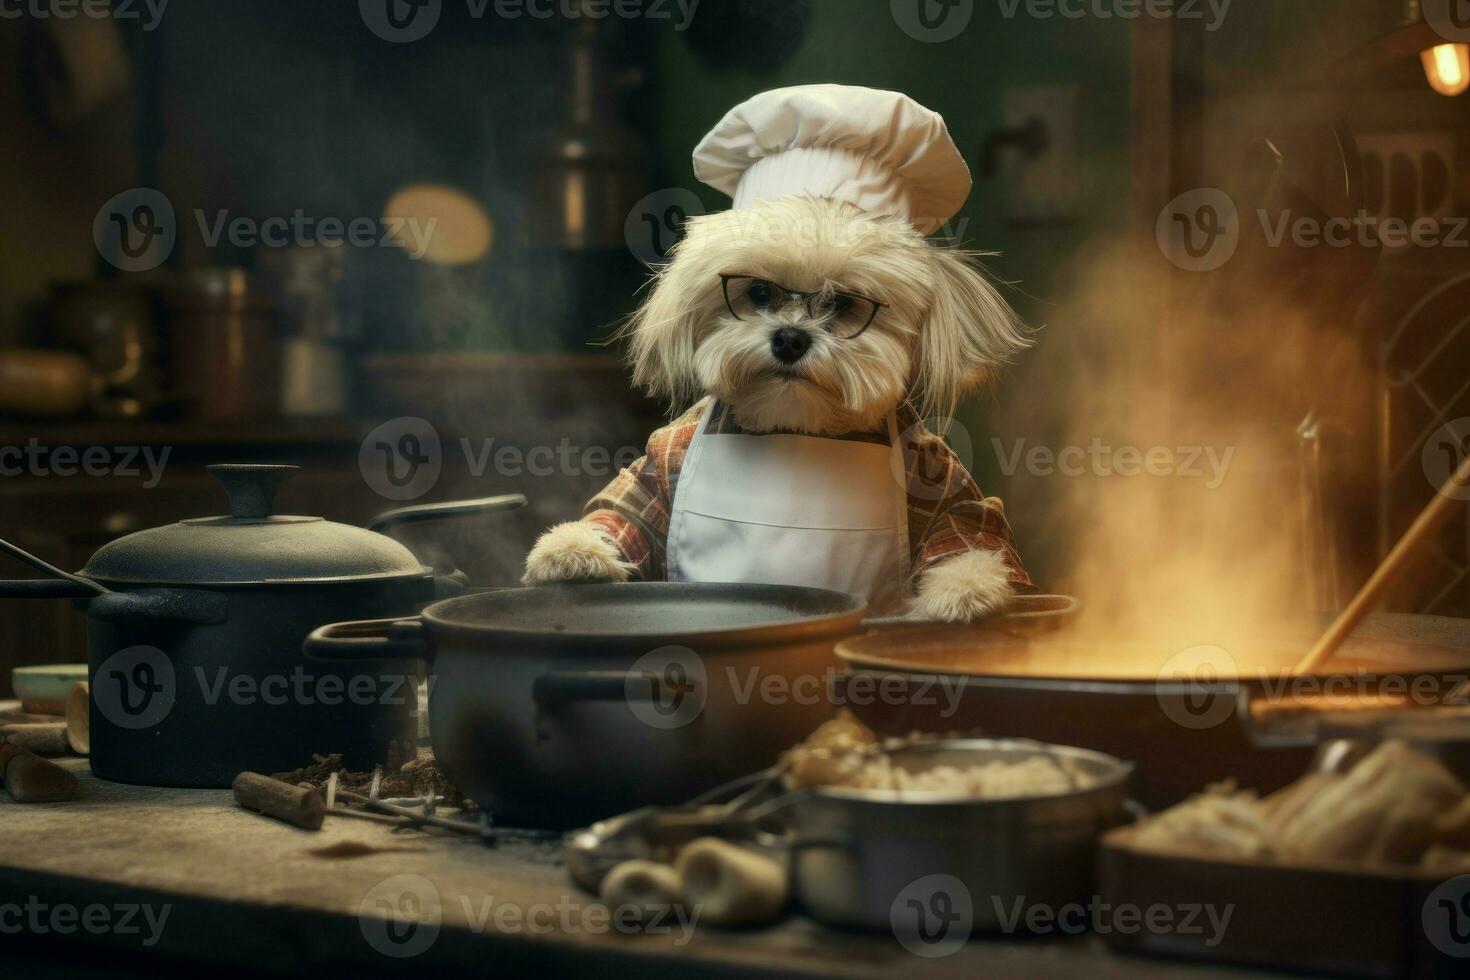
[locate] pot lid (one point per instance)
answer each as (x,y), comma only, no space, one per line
(642,616)
(252,546)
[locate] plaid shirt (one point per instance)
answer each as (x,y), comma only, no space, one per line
(947,513)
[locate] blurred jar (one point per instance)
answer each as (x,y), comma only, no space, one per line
(225,342)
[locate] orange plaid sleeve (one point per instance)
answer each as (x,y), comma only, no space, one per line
(634,509)
(947,512)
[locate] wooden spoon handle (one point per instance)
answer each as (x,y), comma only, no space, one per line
(1425,526)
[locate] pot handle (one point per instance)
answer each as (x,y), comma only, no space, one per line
(44,588)
(452,508)
(563,687)
(194,607)
(61,585)
(370,639)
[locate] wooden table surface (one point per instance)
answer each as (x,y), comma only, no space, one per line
(244,891)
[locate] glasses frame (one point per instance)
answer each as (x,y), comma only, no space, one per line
(805,298)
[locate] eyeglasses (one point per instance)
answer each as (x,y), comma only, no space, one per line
(843,314)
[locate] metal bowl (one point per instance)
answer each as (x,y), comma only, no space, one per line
(872,859)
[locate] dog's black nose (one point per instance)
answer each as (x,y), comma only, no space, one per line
(789,344)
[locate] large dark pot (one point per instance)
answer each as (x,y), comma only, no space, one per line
(561,705)
(1183,732)
(195,631)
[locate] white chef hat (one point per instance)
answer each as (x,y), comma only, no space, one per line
(879,150)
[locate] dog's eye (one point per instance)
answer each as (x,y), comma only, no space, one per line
(761,294)
(842,305)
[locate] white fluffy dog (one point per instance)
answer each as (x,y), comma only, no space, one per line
(941,331)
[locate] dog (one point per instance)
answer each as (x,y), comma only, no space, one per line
(940,331)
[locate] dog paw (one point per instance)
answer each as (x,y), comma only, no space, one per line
(965,588)
(575,552)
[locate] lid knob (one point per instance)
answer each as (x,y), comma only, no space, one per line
(252,486)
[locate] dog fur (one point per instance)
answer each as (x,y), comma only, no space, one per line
(944,333)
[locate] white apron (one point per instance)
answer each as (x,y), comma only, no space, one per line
(791,510)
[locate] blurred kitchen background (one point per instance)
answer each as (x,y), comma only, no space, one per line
(553,153)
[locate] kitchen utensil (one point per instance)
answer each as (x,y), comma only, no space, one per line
(1445,503)
(554,706)
(43,383)
(195,631)
(43,689)
(78,720)
(1183,732)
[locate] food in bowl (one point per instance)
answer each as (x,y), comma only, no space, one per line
(845,753)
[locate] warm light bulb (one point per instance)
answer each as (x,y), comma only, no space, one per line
(1447,66)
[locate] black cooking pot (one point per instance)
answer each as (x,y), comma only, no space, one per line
(195,631)
(560,705)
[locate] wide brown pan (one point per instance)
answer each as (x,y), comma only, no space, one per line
(1182,733)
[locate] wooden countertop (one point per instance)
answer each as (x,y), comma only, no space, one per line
(241,890)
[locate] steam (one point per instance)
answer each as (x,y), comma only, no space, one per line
(1163,553)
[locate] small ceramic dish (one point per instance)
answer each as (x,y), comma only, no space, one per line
(43,689)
